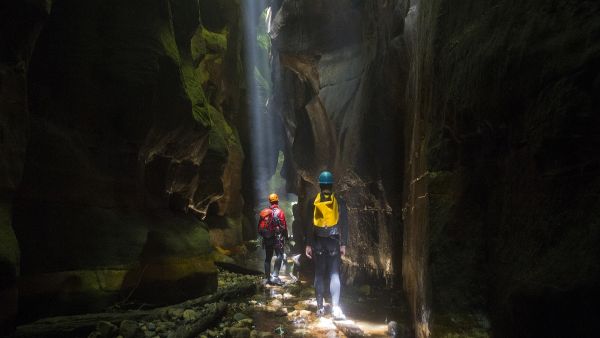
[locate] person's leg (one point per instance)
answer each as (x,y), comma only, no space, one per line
(268,257)
(333,265)
(278,260)
(319,256)
(334,278)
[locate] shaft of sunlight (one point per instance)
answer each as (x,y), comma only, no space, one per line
(263,148)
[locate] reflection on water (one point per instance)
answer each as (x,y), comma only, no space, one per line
(289,310)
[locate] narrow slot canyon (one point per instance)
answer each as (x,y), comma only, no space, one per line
(142,141)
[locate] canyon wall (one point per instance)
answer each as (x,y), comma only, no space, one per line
(124,169)
(338,76)
(501,213)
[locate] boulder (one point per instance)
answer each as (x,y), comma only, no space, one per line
(130,329)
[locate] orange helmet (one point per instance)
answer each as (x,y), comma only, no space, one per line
(273,198)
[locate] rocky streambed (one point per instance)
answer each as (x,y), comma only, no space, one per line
(243,306)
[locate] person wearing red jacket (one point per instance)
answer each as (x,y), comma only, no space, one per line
(273,229)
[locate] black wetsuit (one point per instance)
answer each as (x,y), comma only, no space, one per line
(325,243)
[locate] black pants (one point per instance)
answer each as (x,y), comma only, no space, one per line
(271,248)
(326,253)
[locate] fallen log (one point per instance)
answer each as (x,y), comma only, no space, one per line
(78,325)
(192,330)
(349,328)
(240,290)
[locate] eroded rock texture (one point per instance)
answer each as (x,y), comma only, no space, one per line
(337,83)
(483,116)
(20,23)
(130,144)
(503,168)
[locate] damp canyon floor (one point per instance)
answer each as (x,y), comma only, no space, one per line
(244,306)
(289,310)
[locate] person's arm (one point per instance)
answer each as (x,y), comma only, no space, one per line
(309,235)
(344,226)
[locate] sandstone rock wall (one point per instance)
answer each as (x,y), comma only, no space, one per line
(20,23)
(502,168)
(337,75)
(467,131)
(130,144)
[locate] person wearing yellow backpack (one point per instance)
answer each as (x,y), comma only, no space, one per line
(326,243)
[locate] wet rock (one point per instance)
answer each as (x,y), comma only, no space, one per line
(176,313)
(107,329)
(276,303)
(248,322)
(299,313)
(129,329)
(162,327)
(151,327)
(95,334)
(299,306)
(190,315)
(238,332)
(239,316)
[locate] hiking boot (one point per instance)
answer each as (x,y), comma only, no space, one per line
(275,281)
(338,314)
(321,312)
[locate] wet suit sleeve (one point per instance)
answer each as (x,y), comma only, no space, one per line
(343,223)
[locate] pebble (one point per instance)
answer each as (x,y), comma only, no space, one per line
(175,313)
(151,327)
(245,323)
(239,316)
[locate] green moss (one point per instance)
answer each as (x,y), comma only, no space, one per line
(215,42)
(198,45)
(192,84)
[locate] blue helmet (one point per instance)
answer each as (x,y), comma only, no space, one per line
(326,178)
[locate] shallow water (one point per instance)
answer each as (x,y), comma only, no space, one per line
(368,307)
